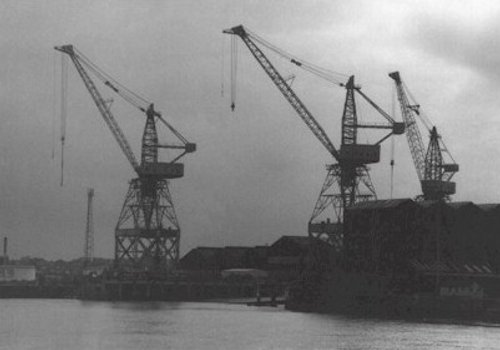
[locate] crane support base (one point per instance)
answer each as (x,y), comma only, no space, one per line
(147,234)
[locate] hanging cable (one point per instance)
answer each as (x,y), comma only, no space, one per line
(128,95)
(222,68)
(106,77)
(393,111)
(64,105)
(392,165)
(234,66)
(421,115)
(326,74)
(54,104)
(428,124)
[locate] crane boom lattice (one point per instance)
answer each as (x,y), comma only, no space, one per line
(285,89)
(408,112)
(102,106)
(88,253)
(342,186)
(147,235)
(434,174)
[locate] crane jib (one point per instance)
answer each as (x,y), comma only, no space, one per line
(102,106)
(80,61)
(286,90)
(433,173)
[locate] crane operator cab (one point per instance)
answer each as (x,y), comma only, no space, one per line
(360,154)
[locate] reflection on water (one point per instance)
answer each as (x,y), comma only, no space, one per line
(72,324)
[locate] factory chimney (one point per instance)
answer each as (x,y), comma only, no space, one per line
(5,250)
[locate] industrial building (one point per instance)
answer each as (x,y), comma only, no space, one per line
(10,273)
(16,280)
(284,260)
(17,273)
(424,242)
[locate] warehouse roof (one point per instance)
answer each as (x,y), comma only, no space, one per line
(381,204)
(428,203)
(488,207)
(450,267)
(204,252)
(299,240)
(459,205)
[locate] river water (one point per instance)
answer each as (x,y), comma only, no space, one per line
(72,324)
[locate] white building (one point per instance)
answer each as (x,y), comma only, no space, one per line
(20,273)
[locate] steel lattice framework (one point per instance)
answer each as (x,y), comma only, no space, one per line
(147,235)
(88,251)
(434,174)
(433,158)
(344,182)
(413,135)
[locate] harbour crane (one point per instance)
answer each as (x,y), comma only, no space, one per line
(435,166)
(147,234)
(345,179)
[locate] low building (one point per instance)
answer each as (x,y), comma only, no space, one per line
(17,273)
(202,258)
(284,259)
(288,257)
(208,262)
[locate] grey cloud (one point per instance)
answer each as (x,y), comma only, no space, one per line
(476,47)
(258,171)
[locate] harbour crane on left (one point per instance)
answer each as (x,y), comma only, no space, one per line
(147,234)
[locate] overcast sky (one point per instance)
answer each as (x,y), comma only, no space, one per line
(258,170)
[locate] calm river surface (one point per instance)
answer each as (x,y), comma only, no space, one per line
(73,324)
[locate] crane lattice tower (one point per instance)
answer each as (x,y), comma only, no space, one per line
(88,252)
(147,234)
(434,171)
